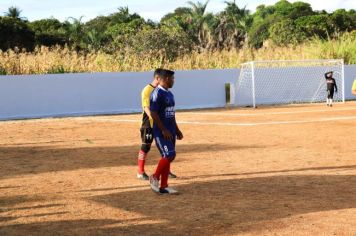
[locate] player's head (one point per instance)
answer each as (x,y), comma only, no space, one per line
(166,78)
(156,74)
(329,74)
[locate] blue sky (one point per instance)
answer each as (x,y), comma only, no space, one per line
(149,9)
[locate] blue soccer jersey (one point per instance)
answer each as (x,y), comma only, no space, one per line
(162,102)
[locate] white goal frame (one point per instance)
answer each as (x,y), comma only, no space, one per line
(287,82)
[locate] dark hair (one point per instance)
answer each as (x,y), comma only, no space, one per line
(163,73)
(157,72)
(327,73)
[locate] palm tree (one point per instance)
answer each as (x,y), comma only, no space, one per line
(94,39)
(75,31)
(199,19)
(14,12)
(233,26)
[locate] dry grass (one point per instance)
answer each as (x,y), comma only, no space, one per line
(62,60)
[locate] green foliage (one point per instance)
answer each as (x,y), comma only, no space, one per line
(49,32)
(15,33)
(316,25)
(233,25)
(50,25)
(259,31)
(285,32)
(122,34)
(75,33)
(300,9)
(163,43)
(14,12)
(342,20)
(283,8)
(187,28)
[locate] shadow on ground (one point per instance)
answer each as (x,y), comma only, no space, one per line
(17,160)
(212,208)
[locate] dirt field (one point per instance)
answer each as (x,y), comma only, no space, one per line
(270,171)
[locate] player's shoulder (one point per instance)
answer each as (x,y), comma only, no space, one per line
(148,90)
(155,93)
(147,87)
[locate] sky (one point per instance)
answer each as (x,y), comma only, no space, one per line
(149,9)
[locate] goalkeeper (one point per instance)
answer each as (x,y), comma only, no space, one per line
(331,85)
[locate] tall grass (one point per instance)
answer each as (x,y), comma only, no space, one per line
(62,60)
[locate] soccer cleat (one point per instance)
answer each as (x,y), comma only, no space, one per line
(142,176)
(172,176)
(154,183)
(168,190)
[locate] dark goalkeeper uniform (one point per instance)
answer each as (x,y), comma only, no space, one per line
(330,86)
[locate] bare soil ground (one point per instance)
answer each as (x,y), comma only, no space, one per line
(288,170)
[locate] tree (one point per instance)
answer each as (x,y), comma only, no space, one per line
(233,26)
(181,17)
(315,25)
(15,33)
(49,32)
(94,40)
(163,43)
(14,12)
(199,19)
(75,32)
(286,32)
(122,33)
(99,24)
(123,16)
(342,20)
(300,9)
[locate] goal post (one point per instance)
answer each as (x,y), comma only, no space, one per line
(287,82)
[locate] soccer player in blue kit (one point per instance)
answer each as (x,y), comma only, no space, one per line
(165,130)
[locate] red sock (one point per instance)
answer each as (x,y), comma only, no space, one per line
(141,161)
(165,173)
(162,164)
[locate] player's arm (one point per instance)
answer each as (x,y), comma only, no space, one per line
(179,133)
(147,111)
(335,85)
(145,96)
(165,132)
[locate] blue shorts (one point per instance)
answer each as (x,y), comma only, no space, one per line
(167,148)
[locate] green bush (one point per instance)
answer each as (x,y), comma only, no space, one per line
(15,33)
(286,32)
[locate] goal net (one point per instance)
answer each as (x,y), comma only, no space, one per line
(287,82)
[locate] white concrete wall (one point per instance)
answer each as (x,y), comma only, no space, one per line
(33,96)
